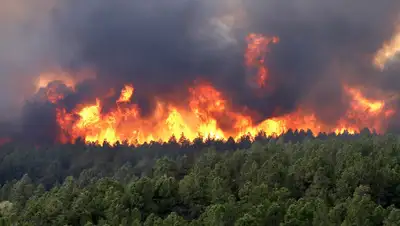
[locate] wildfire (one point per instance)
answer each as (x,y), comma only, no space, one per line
(363,113)
(208,108)
(126,94)
(361,103)
(388,51)
(207,113)
(257,47)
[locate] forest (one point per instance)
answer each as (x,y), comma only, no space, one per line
(292,180)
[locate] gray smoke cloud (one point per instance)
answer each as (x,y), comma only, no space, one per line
(163,46)
(24,50)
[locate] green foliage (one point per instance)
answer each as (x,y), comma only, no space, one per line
(335,181)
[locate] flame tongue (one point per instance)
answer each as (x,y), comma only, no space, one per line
(257,47)
(207,108)
(126,94)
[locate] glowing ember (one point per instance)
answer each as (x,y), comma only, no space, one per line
(52,93)
(257,47)
(388,51)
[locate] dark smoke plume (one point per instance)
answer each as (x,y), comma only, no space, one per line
(163,46)
(156,45)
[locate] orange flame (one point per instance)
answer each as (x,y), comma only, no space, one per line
(257,46)
(363,113)
(361,103)
(207,109)
(126,94)
(209,114)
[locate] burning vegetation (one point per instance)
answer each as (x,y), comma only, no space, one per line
(257,47)
(206,112)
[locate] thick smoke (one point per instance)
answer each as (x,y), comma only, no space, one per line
(164,46)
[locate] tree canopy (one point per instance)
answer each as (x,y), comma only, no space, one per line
(292,180)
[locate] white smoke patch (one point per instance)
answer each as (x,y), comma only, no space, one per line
(392,62)
(219,32)
(228,16)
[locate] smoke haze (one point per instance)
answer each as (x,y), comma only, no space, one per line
(24,50)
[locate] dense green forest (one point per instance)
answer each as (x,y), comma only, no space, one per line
(293,180)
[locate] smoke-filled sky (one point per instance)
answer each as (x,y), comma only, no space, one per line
(24,49)
(162,46)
